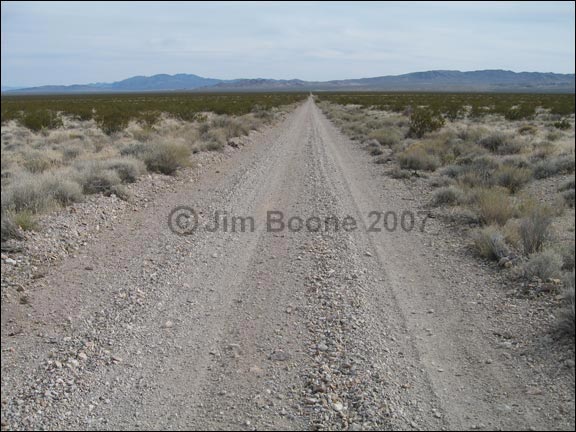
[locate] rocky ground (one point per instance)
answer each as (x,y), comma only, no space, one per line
(112,321)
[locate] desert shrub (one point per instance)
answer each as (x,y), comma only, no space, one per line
(387,137)
(376,152)
(38,161)
(26,220)
(495,141)
(494,206)
(450,195)
(381,160)
(563,164)
(135,149)
(489,242)
(120,191)
(516,162)
(569,198)
(535,229)
(568,316)
(166,157)
(230,127)
(424,120)
(544,265)
(128,168)
(513,178)
(37,120)
(567,185)
(213,146)
(416,158)
(528,129)
(400,174)
(62,189)
(71,152)
(566,251)
(95,177)
(477,171)
(563,124)
(9,229)
(37,193)
(149,118)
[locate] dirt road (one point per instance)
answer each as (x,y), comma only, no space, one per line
(337,329)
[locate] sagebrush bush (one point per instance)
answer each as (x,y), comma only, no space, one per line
(501,143)
(62,188)
(38,193)
(494,141)
(490,243)
(376,152)
(166,157)
(543,265)
(477,171)
(127,168)
(9,229)
(513,178)
(416,158)
(569,198)
(38,161)
(568,316)
(535,229)
(96,178)
(399,173)
(450,195)
(567,185)
(386,137)
(26,220)
(563,164)
(494,206)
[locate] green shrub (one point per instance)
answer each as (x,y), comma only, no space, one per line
(38,120)
(563,124)
(424,120)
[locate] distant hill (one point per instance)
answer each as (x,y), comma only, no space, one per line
(161,82)
(437,80)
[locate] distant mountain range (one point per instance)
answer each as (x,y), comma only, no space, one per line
(437,80)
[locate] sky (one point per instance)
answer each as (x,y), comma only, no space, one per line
(64,43)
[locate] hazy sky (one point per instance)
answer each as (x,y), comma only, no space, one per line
(82,42)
